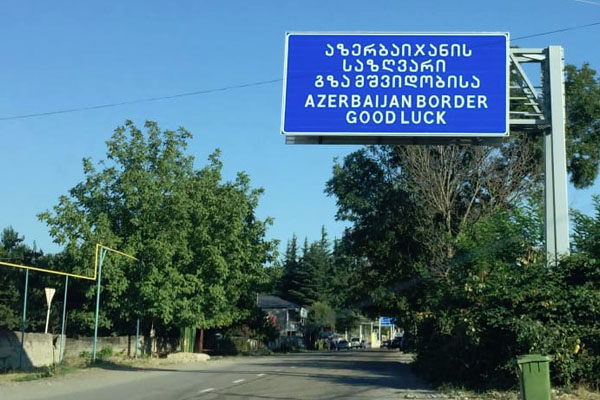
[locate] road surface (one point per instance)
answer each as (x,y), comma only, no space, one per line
(371,374)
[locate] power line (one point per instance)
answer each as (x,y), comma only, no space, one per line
(556,31)
(142,100)
(232,87)
(595,3)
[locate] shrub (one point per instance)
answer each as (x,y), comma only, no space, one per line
(104,354)
(493,306)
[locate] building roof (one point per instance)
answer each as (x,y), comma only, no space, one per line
(267,302)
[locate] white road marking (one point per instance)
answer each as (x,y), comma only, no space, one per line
(206,390)
(239,381)
(292,367)
(260,374)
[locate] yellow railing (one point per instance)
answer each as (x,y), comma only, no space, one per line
(63,273)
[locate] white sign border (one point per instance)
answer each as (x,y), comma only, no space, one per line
(396,134)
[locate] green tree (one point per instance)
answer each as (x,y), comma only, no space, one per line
(347,320)
(201,247)
(344,280)
(451,187)
(586,230)
(322,316)
(582,95)
(12,250)
(382,247)
(441,236)
(291,266)
(309,276)
(501,301)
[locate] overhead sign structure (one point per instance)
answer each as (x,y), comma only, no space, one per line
(376,84)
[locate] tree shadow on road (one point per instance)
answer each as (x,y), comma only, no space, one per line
(361,370)
(380,369)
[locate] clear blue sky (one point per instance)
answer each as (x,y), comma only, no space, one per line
(69,54)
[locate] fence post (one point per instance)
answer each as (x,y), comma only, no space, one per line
(102,253)
(23,320)
(62,329)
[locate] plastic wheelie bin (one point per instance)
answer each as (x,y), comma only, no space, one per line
(534,375)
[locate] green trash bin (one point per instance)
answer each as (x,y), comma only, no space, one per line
(534,374)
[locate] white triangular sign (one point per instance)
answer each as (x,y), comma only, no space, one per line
(49,295)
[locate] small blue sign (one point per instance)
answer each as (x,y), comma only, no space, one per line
(396,84)
(387,321)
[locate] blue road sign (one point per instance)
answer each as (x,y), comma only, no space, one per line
(375,84)
(387,321)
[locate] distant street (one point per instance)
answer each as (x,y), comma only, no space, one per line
(329,375)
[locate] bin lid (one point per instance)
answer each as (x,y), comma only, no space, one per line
(528,358)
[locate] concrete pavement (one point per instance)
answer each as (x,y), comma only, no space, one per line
(373,374)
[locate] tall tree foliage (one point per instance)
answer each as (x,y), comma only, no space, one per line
(439,232)
(583,124)
(201,247)
(290,274)
(323,278)
(586,230)
(382,244)
(307,276)
(451,187)
(12,250)
(409,205)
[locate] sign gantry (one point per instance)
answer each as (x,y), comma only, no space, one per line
(395,87)
(428,88)
(545,112)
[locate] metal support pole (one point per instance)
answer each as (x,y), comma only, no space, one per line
(137,324)
(101,260)
(137,336)
(62,329)
(556,218)
(23,320)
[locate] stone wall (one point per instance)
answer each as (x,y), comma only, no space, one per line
(39,350)
(125,345)
(43,349)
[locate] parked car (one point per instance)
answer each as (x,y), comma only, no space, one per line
(355,343)
(343,345)
(396,343)
(385,343)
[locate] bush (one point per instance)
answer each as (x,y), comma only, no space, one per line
(491,309)
(104,354)
(475,336)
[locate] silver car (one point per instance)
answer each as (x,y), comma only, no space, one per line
(343,345)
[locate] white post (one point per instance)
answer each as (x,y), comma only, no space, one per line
(556,219)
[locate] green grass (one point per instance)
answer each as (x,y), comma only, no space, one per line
(38,373)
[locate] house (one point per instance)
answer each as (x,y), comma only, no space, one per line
(287,317)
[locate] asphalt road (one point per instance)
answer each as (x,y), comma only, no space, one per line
(371,374)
